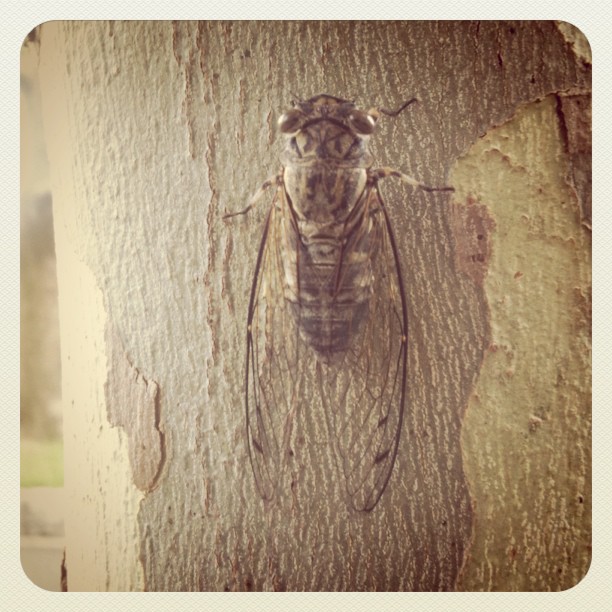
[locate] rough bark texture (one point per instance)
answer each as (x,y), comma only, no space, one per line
(154,131)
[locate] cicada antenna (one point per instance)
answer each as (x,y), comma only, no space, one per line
(395,113)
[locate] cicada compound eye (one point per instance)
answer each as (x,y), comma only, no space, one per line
(290,121)
(362,122)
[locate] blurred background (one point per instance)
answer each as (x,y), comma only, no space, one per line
(42,525)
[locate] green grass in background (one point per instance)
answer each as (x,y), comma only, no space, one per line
(42,463)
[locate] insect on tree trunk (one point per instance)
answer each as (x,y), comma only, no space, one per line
(155,131)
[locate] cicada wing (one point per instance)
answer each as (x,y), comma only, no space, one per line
(273,351)
(365,392)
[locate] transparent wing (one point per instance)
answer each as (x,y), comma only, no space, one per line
(364,392)
(273,352)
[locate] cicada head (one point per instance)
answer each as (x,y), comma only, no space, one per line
(327,129)
(326,108)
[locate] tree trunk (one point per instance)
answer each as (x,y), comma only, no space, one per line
(154,131)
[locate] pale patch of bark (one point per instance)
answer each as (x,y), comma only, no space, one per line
(526,435)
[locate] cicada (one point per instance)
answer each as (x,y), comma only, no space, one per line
(328,296)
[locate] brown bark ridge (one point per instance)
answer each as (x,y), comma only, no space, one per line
(173,124)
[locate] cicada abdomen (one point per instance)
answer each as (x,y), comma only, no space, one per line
(328,287)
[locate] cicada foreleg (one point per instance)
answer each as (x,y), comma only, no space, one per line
(381,173)
(273,180)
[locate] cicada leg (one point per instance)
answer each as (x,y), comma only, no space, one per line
(273,180)
(380,173)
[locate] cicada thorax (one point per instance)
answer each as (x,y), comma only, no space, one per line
(327,234)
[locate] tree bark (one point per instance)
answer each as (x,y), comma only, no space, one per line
(154,131)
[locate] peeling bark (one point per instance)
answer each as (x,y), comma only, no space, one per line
(132,403)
